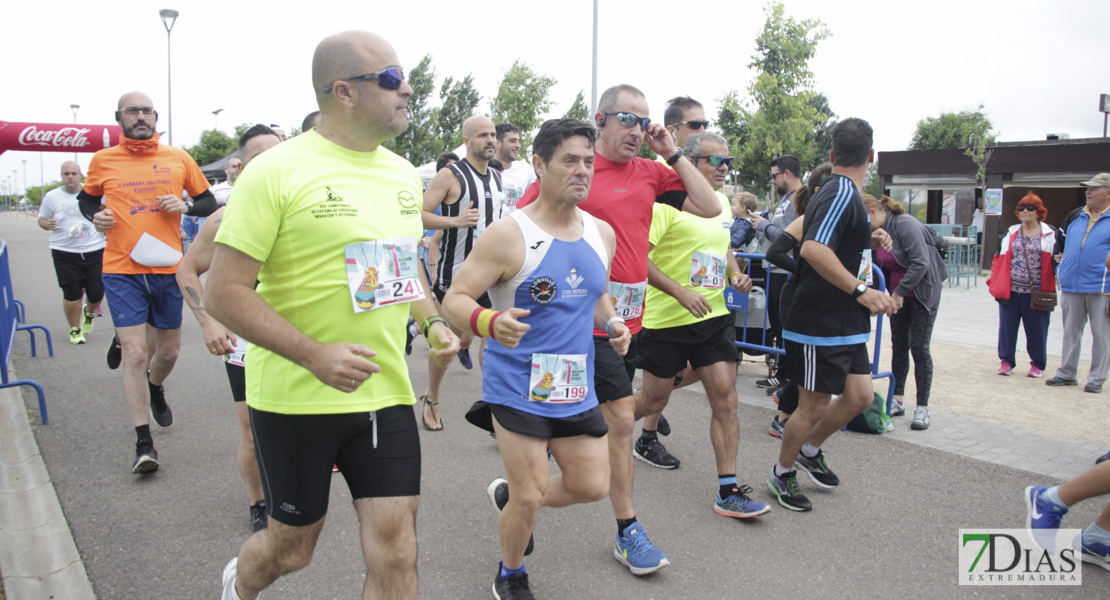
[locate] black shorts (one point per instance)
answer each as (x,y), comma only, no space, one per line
(440,293)
(613,373)
(237,377)
(824,369)
(378,458)
(589,422)
(78,271)
(665,352)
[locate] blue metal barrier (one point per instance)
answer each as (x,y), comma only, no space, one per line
(9,324)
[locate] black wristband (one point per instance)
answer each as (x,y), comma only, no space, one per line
(674,157)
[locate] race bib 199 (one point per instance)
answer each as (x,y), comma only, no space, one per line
(708,270)
(382,272)
(558,378)
(628,298)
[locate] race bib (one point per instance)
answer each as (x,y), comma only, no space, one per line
(558,378)
(382,272)
(628,298)
(707,270)
(865,267)
(238,354)
(81,229)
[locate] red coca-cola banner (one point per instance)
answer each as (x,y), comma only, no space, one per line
(57,137)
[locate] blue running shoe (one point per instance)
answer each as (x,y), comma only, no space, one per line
(464,358)
(778,428)
(739,505)
(1042,513)
(636,551)
(1095,553)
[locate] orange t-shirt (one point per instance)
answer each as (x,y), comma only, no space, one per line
(130,184)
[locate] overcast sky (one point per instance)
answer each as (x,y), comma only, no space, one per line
(1038,67)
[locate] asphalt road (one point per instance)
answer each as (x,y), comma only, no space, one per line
(890,531)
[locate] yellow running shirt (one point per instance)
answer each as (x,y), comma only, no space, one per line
(336,231)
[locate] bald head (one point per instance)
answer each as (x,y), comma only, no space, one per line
(349,54)
(480,138)
(477,123)
(140,122)
(71,176)
(134,99)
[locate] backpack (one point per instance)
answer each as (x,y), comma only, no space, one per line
(874,419)
(937,241)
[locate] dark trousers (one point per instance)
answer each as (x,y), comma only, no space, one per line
(911,329)
(775,312)
(1035,322)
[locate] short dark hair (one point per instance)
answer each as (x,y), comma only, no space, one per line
(553,132)
(496,164)
(503,128)
(254,132)
(609,97)
(443,158)
(852,142)
(306,124)
(677,107)
(788,162)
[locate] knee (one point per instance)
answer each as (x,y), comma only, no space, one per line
(169,352)
(724,408)
(529,499)
(294,559)
(134,353)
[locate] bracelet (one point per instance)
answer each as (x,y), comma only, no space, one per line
(610,322)
(433,319)
(674,157)
(482,320)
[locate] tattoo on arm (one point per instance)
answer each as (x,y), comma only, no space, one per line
(194,297)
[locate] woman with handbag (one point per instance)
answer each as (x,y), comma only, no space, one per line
(1023,281)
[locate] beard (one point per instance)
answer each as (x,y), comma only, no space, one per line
(131,132)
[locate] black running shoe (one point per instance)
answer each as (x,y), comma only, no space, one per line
(159,410)
(115,353)
(146,458)
(655,454)
(771,383)
(259,520)
(1103,458)
(513,587)
(788,492)
(498,492)
(818,470)
(664,427)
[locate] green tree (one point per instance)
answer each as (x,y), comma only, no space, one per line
(522,100)
(952,130)
(459,99)
(823,133)
(418,143)
(578,109)
(34,194)
(213,146)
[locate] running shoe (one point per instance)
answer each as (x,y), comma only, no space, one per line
(1034,372)
(1061,381)
(897,408)
(1103,458)
(1093,552)
(513,587)
(1005,368)
(1042,513)
(920,418)
(778,428)
(771,383)
(1093,388)
(259,519)
(159,410)
(98,312)
(115,353)
(464,358)
(409,336)
(818,470)
(498,492)
(788,492)
(739,504)
(635,551)
(75,336)
(655,454)
(664,427)
(146,458)
(229,580)
(87,322)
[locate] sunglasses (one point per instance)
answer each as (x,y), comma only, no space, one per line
(389,78)
(1027,208)
(628,119)
(774,175)
(714,159)
(695,125)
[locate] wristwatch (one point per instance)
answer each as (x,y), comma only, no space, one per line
(188,206)
(860,289)
(674,157)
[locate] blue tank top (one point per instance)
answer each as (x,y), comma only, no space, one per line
(551,372)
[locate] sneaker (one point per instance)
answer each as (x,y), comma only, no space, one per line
(513,587)
(498,492)
(1034,372)
(1093,388)
(920,418)
(655,454)
(818,470)
(788,492)
(259,519)
(1103,458)
(1056,381)
(1095,553)
(75,336)
(664,427)
(772,383)
(775,396)
(739,505)
(1042,513)
(778,428)
(229,580)
(87,322)
(1005,369)
(635,551)
(98,312)
(897,408)
(464,358)
(409,336)
(115,353)
(146,458)
(159,410)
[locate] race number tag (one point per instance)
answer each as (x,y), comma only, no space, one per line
(865,267)
(558,378)
(238,354)
(628,298)
(81,229)
(382,272)
(707,270)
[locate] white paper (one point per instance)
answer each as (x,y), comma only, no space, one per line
(153,252)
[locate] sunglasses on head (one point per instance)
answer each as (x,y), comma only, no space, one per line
(695,125)
(1027,208)
(628,119)
(714,159)
(389,78)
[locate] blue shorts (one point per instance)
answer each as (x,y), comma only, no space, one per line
(149,298)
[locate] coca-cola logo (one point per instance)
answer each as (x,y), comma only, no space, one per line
(68,137)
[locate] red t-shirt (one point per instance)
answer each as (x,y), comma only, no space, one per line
(622,194)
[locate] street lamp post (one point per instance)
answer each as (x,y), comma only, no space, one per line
(169,17)
(24,180)
(75,108)
(216,118)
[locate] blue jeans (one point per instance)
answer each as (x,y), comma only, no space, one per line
(1035,323)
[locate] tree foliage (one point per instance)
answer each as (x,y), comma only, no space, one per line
(34,194)
(522,100)
(578,109)
(419,143)
(459,99)
(952,130)
(213,146)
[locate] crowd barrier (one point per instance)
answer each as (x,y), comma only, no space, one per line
(11,315)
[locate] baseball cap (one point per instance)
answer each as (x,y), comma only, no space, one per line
(1102,179)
